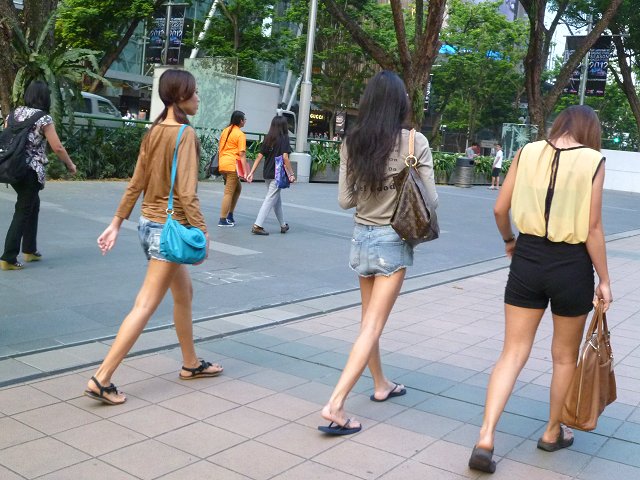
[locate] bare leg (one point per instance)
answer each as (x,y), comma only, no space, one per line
(182,293)
(381,385)
(567,336)
(383,295)
(159,276)
(521,325)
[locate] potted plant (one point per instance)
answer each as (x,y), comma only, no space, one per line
(443,166)
(325,161)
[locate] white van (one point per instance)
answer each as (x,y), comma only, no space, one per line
(92,105)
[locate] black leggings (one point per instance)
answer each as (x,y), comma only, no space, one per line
(24,226)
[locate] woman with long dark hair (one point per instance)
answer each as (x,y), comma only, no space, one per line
(374,151)
(232,149)
(275,144)
(554,193)
(152,176)
(23,230)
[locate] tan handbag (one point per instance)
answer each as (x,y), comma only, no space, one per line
(593,385)
(413,219)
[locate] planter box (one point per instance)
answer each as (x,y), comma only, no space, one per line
(328,175)
(442,178)
(477,179)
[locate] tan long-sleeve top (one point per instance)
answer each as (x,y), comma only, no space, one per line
(378,210)
(152,176)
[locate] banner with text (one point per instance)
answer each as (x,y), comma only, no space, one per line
(158,33)
(598,63)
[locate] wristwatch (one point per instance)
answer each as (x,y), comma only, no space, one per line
(509,240)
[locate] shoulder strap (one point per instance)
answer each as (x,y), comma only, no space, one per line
(27,123)
(174,168)
(228,135)
(411,160)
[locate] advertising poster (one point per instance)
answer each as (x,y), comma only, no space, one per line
(598,63)
(157,36)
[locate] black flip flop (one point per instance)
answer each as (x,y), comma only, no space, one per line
(335,429)
(482,459)
(560,442)
(100,396)
(391,394)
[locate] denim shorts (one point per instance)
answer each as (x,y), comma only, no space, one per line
(378,250)
(149,234)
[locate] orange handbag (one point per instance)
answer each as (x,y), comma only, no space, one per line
(593,385)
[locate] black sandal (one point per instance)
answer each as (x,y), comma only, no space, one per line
(482,459)
(199,372)
(100,396)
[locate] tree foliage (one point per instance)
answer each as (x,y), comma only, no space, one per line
(340,67)
(481,83)
(61,68)
(102,25)
(30,20)
(540,37)
(98,24)
(245,29)
(416,41)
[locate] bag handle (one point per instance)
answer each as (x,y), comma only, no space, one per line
(174,169)
(411,160)
(598,322)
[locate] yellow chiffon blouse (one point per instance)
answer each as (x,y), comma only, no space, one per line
(552,192)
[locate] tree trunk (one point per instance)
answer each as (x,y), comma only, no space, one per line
(35,14)
(626,82)
(551,98)
(7,67)
(539,41)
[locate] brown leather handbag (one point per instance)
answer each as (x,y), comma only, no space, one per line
(593,385)
(413,219)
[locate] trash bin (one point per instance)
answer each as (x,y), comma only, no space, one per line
(463,173)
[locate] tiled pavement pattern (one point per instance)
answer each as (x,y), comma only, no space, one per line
(259,420)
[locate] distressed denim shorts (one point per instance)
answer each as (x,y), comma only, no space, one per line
(378,250)
(149,234)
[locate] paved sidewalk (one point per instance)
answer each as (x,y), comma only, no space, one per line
(259,420)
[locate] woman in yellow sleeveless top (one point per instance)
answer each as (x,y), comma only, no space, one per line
(232,148)
(554,192)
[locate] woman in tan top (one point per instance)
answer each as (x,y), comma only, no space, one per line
(373,153)
(152,176)
(554,192)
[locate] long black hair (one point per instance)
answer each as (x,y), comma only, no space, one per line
(37,95)
(383,112)
(175,86)
(237,117)
(279,129)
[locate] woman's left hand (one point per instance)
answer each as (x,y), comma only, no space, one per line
(292,178)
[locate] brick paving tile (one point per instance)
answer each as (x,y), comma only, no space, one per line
(259,419)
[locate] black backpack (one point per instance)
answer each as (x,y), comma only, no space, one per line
(13,152)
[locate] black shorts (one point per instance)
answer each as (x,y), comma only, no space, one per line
(543,271)
(496,172)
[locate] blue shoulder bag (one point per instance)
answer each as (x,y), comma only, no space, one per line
(281,177)
(180,244)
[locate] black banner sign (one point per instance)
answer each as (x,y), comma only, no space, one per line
(598,63)
(157,36)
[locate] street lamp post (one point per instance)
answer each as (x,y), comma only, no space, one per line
(303,159)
